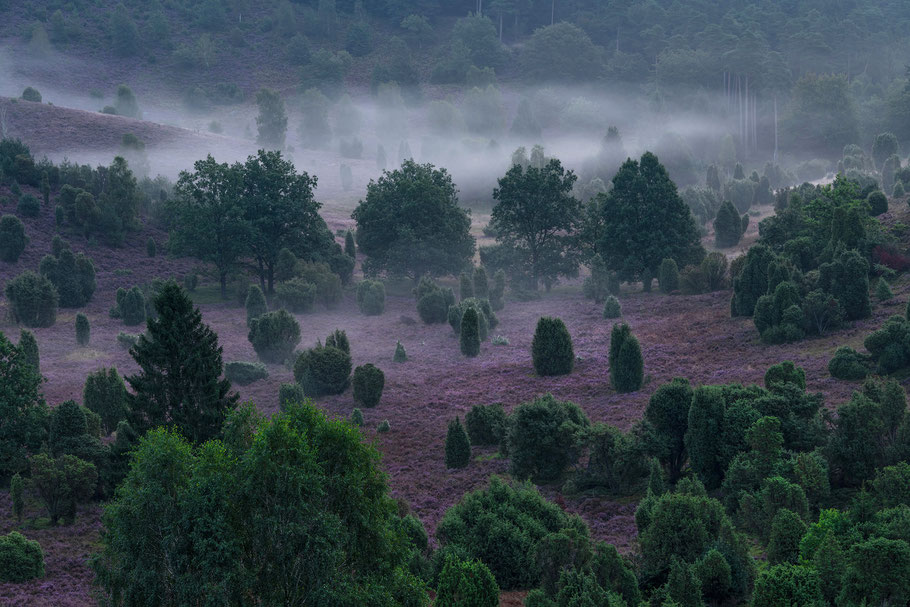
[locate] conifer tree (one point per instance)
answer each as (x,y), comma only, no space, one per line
(470,333)
(350,249)
(400,354)
(458,446)
(15,491)
(617,337)
(29,346)
(256,305)
(628,372)
(83,329)
(180,367)
(551,348)
(465,286)
(481,285)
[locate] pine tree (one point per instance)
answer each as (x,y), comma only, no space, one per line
(83,329)
(470,333)
(628,372)
(458,447)
(29,346)
(179,381)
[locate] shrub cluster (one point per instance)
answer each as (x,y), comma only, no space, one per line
(551,348)
(371,297)
(274,336)
(245,373)
(72,275)
(12,238)
(545,437)
(33,300)
(324,369)
(433,301)
(21,559)
(367,384)
(486,424)
(296,295)
(131,306)
(848,364)
(486,319)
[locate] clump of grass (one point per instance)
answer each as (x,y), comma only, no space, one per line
(499,340)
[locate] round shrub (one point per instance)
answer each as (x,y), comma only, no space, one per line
(33,300)
(83,329)
(628,372)
(105,394)
(469,339)
(788,585)
(297,295)
(668,276)
(72,275)
(433,307)
(323,370)
(12,238)
(274,336)
(551,348)
(290,394)
(878,203)
(28,206)
(383,427)
(502,526)
(785,373)
(848,364)
(21,559)
(367,384)
(132,306)
(400,355)
(244,373)
(612,308)
(486,424)
(458,447)
(371,297)
(328,284)
(466,583)
(255,304)
(545,437)
(31,94)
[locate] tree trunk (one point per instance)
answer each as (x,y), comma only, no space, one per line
(271,272)
(222,276)
(261,274)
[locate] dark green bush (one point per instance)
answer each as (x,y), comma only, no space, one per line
(12,238)
(338,339)
(72,275)
(502,526)
(486,424)
(105,394)
(28,206)
(151,248)
(21,559)
(728,226)
(627,373)
(29,346)
(244,373)
(433,307)
(191,281)
(497,293)
(127,340)
(383,427)
(486,318)
(357,417)
(465,286)
(255,304)
(83,329)
(466,583)
(274,336)
(668,276)
(883,290)
(371,297)
(469,339)
(328,284)
(551,348)
(481,285)
(31,94)
(33,300)
(878,203)
(350,249)
(612,308)
(545,437)
(788,585)
(131,305)
(458,447)
(889,346)
(367,384)
(290,394)
(616,461)
(787,529)
(296,295)
(323,370)
(400,355)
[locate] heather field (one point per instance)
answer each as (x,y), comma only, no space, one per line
(681,336)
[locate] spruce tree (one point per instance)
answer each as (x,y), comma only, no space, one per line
(255,304)
(470,333)
(617,336)
(83,329)
(29,346)
(180,366)
(551,348)
(458,447)
(628,372)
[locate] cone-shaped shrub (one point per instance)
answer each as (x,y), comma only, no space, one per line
(728,226)
(274,336)
(83,329)
(371,297)
(400,355)
(151,248)
(131,306)
(29,346)
(458,447)
(356,414)
(882,290)
(465,286)
(368,383)
(350,249)
(255,304)
(551,348)
(486,424)
(497,293)
(470,333)
(628,372)
(12,238)
(466,583)
(898,191)
(617,337)
(481,285)
(668,276)
(612,308)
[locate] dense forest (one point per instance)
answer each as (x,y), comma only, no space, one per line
(552,303)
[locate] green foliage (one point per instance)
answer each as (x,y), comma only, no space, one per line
(131,306)
(338,339)
(752,281)
(785,373)
(892,485)
(848,364)
(480,283)
(497,293)
(714,576)
(618,336)
(323,370)
(28,206)
(371,297)
(28,346)
(255,305)
(534,217)
(244,373)
(788,584)
(502,526)
(368,383)
(31,94)
(822,116)
(486,319)
(356,417)
(458,447)
(127,340)
(545,437)
(180,367)
(328,284)
(878,203)
(12,238)
(848,278)
(465,286)
(400,355)
(612,308)
(469,340)
(888,346)
(274,336)
(883,290)
(105,394)
(616,461)
(72,275)
(306,495)
(272,121)
(297,295)
(15,492)
(668,414)
(728,226)
(83,329)
(551,348)
(466,584)
(21,559)
(877,571)
(383,427)
(410,223)
(787,529)
(627,373)
(33,299)
(668,276)
(62,483)
(290,394)
(486,424)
